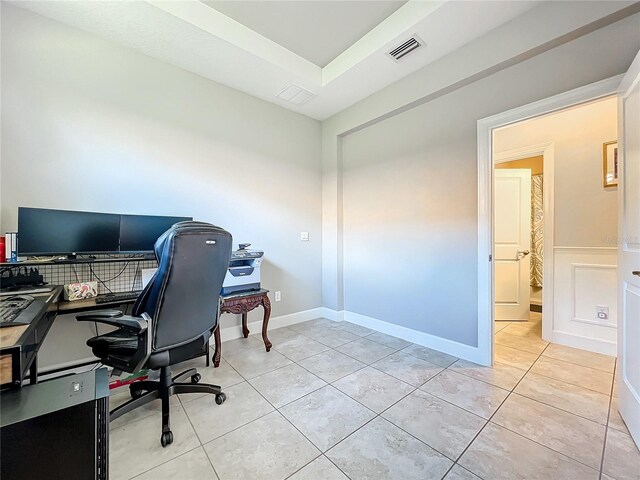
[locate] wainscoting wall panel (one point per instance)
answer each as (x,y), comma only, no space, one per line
(585,279)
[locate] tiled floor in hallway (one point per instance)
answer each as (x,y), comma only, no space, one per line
(338,401)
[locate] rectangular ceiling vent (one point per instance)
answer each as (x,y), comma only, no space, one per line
(295,94)
(405,48)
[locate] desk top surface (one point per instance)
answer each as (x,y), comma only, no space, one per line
(9,336)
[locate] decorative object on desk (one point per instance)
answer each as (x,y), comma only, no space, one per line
(610,164)
(11,246)
(80,291)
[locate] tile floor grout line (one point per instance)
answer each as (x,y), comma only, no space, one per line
(523,436)
(555,359)
(276,409)
(574,363)
(137,475)
(376,415)
(335,464)
(558,408)
(380,414)
(606,430)
(483,366)
(237,428)
(442,369)
(298,430)
(201,444)
(451,403)
(491,417)
(367,364)
(333,381)
(569,383)
(304,466)
(397,426)
(546,446)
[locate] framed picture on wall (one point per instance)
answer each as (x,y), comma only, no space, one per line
(610,164)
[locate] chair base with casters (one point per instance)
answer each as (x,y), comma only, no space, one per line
(128,349)
(146,391)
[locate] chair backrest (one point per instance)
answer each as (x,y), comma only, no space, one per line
(183,297)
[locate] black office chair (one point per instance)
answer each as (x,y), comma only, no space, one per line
(173,318)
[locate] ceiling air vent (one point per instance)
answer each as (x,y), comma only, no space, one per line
(292,93)
(405,48)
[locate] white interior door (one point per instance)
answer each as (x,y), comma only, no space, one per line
(628,377)
(512,241)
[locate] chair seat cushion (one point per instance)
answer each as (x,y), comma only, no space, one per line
(117,343)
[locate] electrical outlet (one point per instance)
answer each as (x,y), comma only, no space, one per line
(602,311)
(304,236)
(278,296)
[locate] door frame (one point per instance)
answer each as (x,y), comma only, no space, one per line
(546,150)
(595,91)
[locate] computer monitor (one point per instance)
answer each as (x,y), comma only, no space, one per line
(44,231)
(138,233)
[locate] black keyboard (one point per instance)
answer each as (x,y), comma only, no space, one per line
(117,297)
(12,307)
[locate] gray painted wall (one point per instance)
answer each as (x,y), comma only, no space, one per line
(88,125)
(409,195)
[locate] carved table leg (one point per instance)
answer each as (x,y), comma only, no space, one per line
(218,352)
(266,304)
(245,328)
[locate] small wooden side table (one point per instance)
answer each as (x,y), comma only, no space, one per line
(243,303)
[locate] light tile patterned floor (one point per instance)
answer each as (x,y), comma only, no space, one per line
(340,401)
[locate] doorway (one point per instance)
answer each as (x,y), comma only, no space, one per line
(626,247)
(566,102)
(560,235)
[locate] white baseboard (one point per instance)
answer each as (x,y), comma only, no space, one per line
(456,349)
(585,343)
(231,333)
(335,315)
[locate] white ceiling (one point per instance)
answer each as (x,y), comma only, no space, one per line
(196,37)
(316,30)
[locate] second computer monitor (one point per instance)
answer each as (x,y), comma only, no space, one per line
(138,233)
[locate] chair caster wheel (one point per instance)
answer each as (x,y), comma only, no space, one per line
(196,378)
(166,438)
(135,393)
(220,398)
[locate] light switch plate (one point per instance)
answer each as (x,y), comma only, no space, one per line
(304,236)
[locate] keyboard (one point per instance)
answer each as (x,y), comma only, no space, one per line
(117,297)
(12,307)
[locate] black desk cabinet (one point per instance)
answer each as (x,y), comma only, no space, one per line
(56,430)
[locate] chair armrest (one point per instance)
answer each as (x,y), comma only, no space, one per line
(99,313)
(115,318)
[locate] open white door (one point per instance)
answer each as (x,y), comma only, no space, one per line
(628,377)
(512,236)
